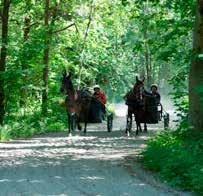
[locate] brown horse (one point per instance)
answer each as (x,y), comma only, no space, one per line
(135,101)
(77,103)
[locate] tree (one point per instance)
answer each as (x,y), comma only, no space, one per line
(196,72)
(26,31)
(4,38)
(46,58)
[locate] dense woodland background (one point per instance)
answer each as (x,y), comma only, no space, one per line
(107,42)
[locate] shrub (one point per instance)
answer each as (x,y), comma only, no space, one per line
(31,123)
(177,157)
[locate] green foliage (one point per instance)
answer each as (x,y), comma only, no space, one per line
(110,109)
(113,52)
(120,36)
(125,38)
(177,157)
(26,124)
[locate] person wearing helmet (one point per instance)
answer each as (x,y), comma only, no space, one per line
(155,93)
(99,105)
(99,94)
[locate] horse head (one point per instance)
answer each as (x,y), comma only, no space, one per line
(139,83)
(138,87)
(66,83)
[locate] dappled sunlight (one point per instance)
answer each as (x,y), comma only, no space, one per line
(81,164)
(95,145)
(121,110)
(44,142)
(119,62)
(78,164)
(92,178)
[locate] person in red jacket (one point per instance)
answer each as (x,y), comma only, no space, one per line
(99,94)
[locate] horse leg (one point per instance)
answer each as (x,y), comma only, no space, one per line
(129,123)
(145,127)
(137,125)
(72,121)
(69,123)
(85,123)
(78,124)
(85,127)
(140,127)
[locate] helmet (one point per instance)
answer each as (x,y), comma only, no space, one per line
(155,86)
(96,86)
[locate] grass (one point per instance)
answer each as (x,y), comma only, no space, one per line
(177,157)
(33,122)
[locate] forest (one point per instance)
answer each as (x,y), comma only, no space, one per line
(106,42)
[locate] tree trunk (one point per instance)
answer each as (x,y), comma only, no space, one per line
(196,72)
(146,46)
(147,58)
(26,29)
(26,32)
(90,18)
(46,59)
(5,16)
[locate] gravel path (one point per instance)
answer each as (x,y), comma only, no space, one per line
(99,163)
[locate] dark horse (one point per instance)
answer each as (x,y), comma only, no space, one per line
(77,103)
(135,100)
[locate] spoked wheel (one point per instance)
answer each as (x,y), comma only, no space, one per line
(128,125)
(166,120)
(110,122)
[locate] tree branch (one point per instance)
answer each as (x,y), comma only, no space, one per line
(34,23)
(90,18)
(63,29)
(76,28)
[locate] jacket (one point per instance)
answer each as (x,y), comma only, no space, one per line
(101,97)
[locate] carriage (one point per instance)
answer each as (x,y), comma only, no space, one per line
(97,113)
(82,106)
(152,113)
(155,112)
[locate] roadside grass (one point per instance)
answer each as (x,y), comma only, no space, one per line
(177,157)
(33,122)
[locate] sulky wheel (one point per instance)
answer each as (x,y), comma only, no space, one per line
(128,124)
(166,120)
(110,122)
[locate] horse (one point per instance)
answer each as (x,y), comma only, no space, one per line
(77,103)
(135,100)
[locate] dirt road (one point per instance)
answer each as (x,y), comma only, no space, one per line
(99,163)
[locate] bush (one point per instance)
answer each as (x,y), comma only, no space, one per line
(177,157)
(33,122)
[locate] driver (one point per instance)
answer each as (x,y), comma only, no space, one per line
(155,93)
(99,94)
